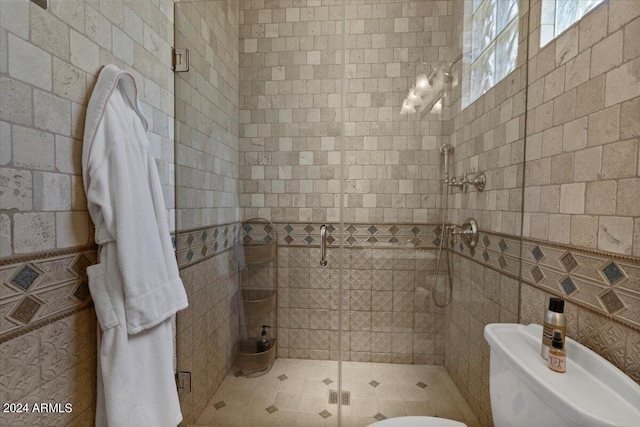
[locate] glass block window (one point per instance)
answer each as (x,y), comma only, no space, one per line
(558,15)
(494,45)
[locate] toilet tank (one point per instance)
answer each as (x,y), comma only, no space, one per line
(526,393)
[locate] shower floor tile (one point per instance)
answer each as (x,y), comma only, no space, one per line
(296,393)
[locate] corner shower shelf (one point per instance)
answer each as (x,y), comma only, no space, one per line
(252,362)
(258,302)
(258,254)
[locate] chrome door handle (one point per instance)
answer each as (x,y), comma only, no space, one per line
(323,245)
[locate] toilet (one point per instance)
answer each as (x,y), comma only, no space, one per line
(417,422)
(526,393)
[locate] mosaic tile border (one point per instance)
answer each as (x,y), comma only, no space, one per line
(605,283)
(358,235)
(40,287)
(198,244)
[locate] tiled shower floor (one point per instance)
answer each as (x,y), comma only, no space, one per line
(296,393)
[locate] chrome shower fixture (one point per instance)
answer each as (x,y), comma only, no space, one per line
(479,181)
(445,150)
(468,232)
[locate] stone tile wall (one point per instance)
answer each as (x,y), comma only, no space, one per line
(207,163)
(208,330)
(481,295)
(387,311)
(55,363)
(49,62)
(582,132)
(578,168)
(291,109)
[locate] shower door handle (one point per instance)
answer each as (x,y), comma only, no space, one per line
(323,245)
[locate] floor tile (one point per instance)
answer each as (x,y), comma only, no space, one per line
(295,392)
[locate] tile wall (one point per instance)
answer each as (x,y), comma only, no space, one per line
(207,145)
(49,62)
(208,329)
(488,136)
(582,132)
(207,195)
(578,173)
(291,109)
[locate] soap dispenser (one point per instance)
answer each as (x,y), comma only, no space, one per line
(264,344)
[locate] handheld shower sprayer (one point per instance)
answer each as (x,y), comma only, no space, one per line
(445,150)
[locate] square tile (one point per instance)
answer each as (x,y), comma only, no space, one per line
(612,302)
(325,414)
(569,262)
(25,277)
(271,409)
(379,417)
(568,286)
(613,273)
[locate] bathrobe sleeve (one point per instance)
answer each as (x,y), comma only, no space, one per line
(124,184)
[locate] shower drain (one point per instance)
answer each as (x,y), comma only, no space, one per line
(333,397)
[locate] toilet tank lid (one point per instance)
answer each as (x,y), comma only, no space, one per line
(592,392)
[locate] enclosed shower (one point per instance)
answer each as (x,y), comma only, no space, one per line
(317,219)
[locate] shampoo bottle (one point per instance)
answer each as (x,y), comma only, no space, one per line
(557,355)
(263,344)
(553,319)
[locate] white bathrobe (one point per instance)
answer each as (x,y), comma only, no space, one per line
(135,287)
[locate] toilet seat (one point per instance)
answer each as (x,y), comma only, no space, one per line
(417,422)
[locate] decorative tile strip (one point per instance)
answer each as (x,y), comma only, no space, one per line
(356,235)
(37,288)
(605,283)
(197,244)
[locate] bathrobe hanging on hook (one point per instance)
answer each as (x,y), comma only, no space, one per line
(136,288)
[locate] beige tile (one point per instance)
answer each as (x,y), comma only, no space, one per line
(623,83)
(621,12)
(636,237)
(604,126)
(28,63)
(627,198)
(590,96)
(549,199)
(620,159)
(560,228)
(52,113)
(587,164)
(16,189)
(593,27)
(14,16)
(607,54)
(584,231)
(6,247)
(577,71)
(49,33)
(615,234)
(630,119)
(572,198)
(600,197)
(562,168)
